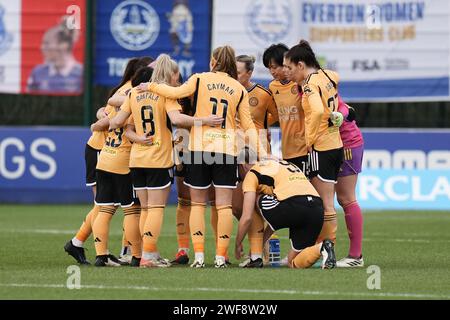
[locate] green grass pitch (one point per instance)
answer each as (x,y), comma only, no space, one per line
(410,248)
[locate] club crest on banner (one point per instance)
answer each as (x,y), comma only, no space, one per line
(134,25)
(269,21)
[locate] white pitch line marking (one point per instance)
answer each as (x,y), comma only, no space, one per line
(290,292)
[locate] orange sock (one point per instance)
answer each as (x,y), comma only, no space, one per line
(100,228)
(182,220)
(255,235)
(307,257)
(224,229)
(214,219)
(144,213)
(197,226)
(86,227)
(152,228)
(131,230)
(329,227)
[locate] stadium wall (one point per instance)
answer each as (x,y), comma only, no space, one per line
(403,169)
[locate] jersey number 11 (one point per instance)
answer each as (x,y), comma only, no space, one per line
(225,109)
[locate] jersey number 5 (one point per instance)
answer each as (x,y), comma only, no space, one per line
(225,109)
(147,117)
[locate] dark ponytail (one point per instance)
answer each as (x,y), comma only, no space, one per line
(132,66)
(143,74)
(186,103)
(304,53)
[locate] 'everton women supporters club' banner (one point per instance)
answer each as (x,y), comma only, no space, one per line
(42,46)
(134,28)
(383,50)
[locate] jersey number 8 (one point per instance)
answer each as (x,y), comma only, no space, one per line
(147,117)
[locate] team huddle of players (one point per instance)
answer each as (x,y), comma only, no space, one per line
(220,154)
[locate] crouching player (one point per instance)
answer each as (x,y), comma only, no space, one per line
(286,199)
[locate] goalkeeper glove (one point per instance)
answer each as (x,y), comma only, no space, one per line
(336,118)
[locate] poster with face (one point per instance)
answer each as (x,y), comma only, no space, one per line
(42,47)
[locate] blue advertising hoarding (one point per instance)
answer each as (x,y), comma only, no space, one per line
(134,28)
(402,169)
(404,189)
(43,165)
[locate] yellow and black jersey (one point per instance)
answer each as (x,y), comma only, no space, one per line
(290,117)
(280,178)
(213,93)
(123,90)
(181,134)
(261,105)
(115,154)
(97,138)
(320,98)
(262,108)
(149,116)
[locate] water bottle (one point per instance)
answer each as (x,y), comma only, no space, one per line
(274,251)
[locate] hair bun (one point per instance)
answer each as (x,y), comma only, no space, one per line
(305,44)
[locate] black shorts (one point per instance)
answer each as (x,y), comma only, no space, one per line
(206,168)
(326,164)
(114,189)
(302,215)
(151,178)
(90,159)
(302,163)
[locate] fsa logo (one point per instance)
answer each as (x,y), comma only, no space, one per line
(366,65)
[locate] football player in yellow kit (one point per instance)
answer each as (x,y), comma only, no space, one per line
(286,199)
(94,145)
(323,140)
(289,105)
(262,108)
(213,151)
(152,163)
